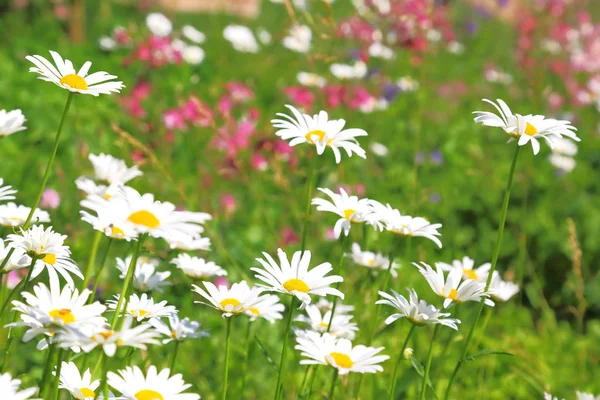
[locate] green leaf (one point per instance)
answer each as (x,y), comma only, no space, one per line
(421,371)
(265,353)
(487,352)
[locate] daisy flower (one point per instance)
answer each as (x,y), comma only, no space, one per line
(111,170)
(107,219)
(11,122)
(350,209)
(416,311)
(295,279)
(133,385)
(89,337)
(193,34)
(341,326)
(6,192)
(18,258)
(188,243)
(466,265)
(326,305)
(318,130)
(14,215)
(405,225)
(91,188)
(229,301)
(196,267)
(501,290)
(299,39)
(586,396)
(339,353)
(10,388)
(146,278)
(48,248)
(310,79)
(159,25)
(241,38)
(526,128)
(178,329)
(64,75)
(452,288)
(143,307)
(372,260)
(50,309)
(267,307)
(80,387)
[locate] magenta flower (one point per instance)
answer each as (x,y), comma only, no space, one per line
(50,199)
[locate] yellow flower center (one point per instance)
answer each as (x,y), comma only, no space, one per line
(63,314)
(341,360)
(348,213)
(296,284)
(87,393)
(530,129)
(316,132)
(470,273)
(229,302)
(144,218)
(49,259)
(324,325)
(75,81)
(254,310)
(371,262)
(116,231)
(140,312)
(106,334)
(453,294)
(174,335)
(148,394)
(107,196)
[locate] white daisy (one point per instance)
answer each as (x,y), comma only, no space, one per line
(341,326)
(501,290)
(196,267)
(586,396)
(562,163)
(295,279)
(267,307)
(178,329)
(133,385)
(188,243)
(11,122)
(6,192)
(159,25)
(193,55)
(80,387)
(526,128)
(89,337)
(108,219)
(51,309)
(310,79)
(229,301)
(10,388)
(347,71)
(299,39)
(193,34)
(92,189)
(143,307)
(351,209)
(339,353)
(326,305)
(452,288)
(405,225)
(111,170)
(146,278)
(416,311)
(18,258)
(64,75)
(372,260)
(48,248)
(14,215)
(319,131)
(466,265)
(241,38)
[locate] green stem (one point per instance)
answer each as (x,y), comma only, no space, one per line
(333,382)
(286,334)
(5,261)
(99,272)
(400,357)
(486,321)
(246,356)
(337,285)
(22,285)
(174,355)
(128,279)
(492,269)
(309,188)
(226,370)
(59,361)
(104,386)
(91,259)
(304,380)
(48,369)
(428,366)
(50,162)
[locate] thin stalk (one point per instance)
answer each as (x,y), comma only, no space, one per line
(226,370)
(91,259)
(128,280)
(309,188)
(104,385)
(400,357)
(304,380)
(99,272)
(48,369)
(59,361)
(246,355)
(286,334)
(333,382)
(337,285)
(486,321)
(428,366)
(492,269)
(174,356)
(50,162)
(21,285)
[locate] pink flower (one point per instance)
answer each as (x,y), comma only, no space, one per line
(334,94)
(228,202)
(221,281)
(555,100)
(330,234)
(289,237)
(360,97)
(196,112)
(141,90)
(50,199)
(300,95)
(173,119)
(224,105)
(12,279)
(259,162)
(239,92)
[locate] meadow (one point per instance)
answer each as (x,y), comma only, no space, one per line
(191,113)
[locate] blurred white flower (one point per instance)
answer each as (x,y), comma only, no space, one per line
(10,388)
(142,307)
(159,24)
(379,149)
(310,79)
(80,387)
(193,34)
(107,43)
(193,55)
(18,259)
(146,278)
(501,290)
(6,192)
(264,36)
(299,39)
(341,326)
(11,122)
(372,260)
(229,301)
(14,215)
(407,84)
(347,71)
(132,384)
(241,38)
(379,50)
(455,47)
(467,266)
(267,307)
(178,329)
(196,267)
